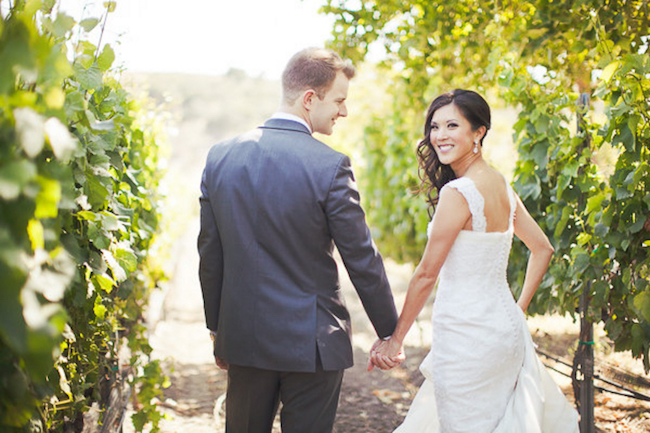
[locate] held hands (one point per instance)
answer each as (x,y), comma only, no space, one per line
(386,354)
(222,364)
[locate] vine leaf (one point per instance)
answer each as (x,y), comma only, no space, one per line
(642,303)
(14,176)
(62,142)
(30,129)
(609,71)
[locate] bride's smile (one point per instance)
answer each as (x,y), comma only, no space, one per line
(452,136)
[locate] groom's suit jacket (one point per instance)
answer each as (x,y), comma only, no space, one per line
(274,202)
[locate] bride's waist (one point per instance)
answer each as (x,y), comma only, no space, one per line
(473,283)
(461,297)
(490,313)
(472,271)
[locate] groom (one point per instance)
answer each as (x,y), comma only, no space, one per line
(274,202)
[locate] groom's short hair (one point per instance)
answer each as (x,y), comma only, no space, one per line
(313,68)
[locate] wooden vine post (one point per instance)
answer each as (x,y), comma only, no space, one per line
(584,357)
(586,365)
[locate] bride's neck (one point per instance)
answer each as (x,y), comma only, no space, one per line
(463,167)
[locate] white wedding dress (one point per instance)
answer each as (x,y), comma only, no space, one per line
(482,373)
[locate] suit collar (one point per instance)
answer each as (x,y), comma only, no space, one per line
(284,124)
(288,116)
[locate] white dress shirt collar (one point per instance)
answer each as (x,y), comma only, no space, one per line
(288,116)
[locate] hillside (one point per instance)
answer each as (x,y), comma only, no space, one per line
(201,110)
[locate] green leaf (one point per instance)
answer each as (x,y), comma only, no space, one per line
(62,142)
(601,292)
(625,136)
(109,221)
(74,103)
(42,344)
(530,190)
(17,53)
(104,282)
(97,236)
(119,274)
(31,130)
(601,230)
(625,243)
(104,125)
(62,25)
(638,338)
(12,324)
(571,168)
(563,181)
(127,259)
(89,78)
(99,310)
(561,225)
(97,193)
(637,224)
(540,153)
(35,232)
(14,176)
(89,23)
(622,193)
(48,198)
(583,238)
(86,215)
(581,263)
(542,123)
(594,202)
(64,384)
(536,33)
(110,5)
(609,71)
(640,174)
(139,420)
(106,58)
(54,98)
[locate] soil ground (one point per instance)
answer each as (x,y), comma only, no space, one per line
(373,401)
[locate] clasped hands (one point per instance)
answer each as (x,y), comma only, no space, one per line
(386,354)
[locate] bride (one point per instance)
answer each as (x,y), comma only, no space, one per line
(482,373)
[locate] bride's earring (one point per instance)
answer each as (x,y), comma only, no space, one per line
(475,150)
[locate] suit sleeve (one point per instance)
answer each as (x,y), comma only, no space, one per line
(210,259)
(347,225)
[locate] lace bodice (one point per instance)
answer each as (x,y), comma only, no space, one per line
(476,203)
(478,257)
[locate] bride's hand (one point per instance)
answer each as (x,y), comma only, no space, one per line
(386,354)
(374,347)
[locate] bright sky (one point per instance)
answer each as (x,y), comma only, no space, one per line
(209,36)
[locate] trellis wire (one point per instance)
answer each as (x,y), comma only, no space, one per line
(630,393)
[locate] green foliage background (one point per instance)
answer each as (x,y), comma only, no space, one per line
(79,171)
(589,190)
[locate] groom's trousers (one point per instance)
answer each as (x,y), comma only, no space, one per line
(309,400)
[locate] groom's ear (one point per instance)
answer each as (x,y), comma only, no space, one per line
(308,98)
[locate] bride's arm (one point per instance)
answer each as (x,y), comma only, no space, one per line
(450,217)
(540,248)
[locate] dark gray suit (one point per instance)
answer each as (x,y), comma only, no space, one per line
(274,202)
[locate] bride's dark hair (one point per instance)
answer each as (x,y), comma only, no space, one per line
(433,173)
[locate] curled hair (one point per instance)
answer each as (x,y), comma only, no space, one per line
(433,174)
(313,68)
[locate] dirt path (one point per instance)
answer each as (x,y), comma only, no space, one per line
(370,402)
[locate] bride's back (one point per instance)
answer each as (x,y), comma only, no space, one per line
(492,186)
